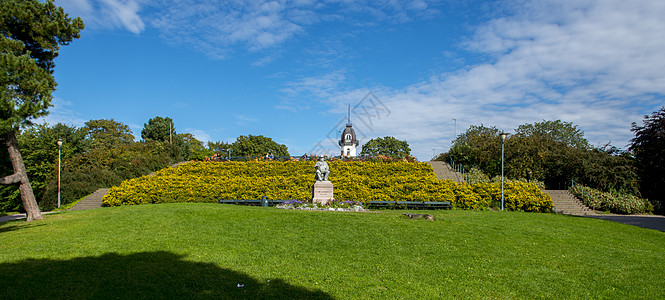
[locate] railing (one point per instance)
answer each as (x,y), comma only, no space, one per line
(459,168)
(572,184)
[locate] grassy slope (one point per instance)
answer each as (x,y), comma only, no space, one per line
(205,250)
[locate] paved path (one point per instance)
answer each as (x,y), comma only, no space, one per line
(19,216)
(645,221)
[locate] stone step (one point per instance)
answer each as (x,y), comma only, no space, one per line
(445,171)
(92,201)
(564,202)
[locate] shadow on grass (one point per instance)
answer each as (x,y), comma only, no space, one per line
(18,225)
(147,275)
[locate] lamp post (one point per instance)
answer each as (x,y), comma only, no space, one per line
(59,142)
(503,139)
(455,132)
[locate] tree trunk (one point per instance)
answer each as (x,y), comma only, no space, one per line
(20,177)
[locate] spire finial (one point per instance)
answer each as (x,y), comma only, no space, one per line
(349,118)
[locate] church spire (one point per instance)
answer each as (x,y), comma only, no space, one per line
(348,123)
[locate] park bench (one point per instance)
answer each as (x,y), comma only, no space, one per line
(259,202)
(409,204)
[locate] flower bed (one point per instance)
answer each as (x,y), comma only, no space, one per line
(335,205)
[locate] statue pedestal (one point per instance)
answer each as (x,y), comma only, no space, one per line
(322,192)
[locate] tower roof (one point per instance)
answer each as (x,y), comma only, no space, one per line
(348,137)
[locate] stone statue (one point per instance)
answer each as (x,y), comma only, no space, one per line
(322,170)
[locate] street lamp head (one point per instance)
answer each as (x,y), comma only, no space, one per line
(59,142)
(503,135)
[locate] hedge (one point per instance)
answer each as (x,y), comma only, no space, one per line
(356,181)
(612,202)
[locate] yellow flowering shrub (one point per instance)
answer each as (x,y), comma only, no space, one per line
(357,181)
(516,196)
(468,199)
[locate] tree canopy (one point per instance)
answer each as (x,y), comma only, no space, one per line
(648,145)
(31,35)
(478,147)
(257,145)
(162,129)
(388,146)
(559,131)
(108,133)
(158,129)
(555,151)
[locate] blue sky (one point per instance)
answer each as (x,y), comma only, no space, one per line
(288,69)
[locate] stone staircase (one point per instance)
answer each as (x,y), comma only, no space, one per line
(92,201)
(443,170)
(565,203)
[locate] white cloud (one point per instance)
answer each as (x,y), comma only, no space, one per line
(244,119)
(62,112)
(326,86)
(107,13)
(595,63)
(199,134)
(217,27)
(213,27)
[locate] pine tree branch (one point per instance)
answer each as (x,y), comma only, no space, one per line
(11,179)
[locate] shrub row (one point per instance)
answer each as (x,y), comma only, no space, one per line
(612,202)
(356,181)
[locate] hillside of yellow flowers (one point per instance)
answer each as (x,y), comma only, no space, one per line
(356,181)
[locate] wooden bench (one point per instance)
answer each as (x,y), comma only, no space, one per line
(409,204)
(260,202)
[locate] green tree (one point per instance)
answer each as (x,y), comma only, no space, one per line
(197,151)
(97,168)
(479,146)
(32,33)
(554,151)
(648,145)
(107,133)
(256,146)
(158,129)
(163,130)
(565,132)
(219,147)
(388,146)
(41,157)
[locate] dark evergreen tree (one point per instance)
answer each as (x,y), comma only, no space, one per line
(648,146)
(31,35)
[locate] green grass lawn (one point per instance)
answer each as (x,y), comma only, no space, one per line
(206,250)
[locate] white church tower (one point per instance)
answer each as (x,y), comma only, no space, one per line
(348,140)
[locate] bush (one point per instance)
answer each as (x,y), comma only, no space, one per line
(358,181)
(101,168)
(466,198)
(526,197)
(292,180)
(612,202)
(517,195)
